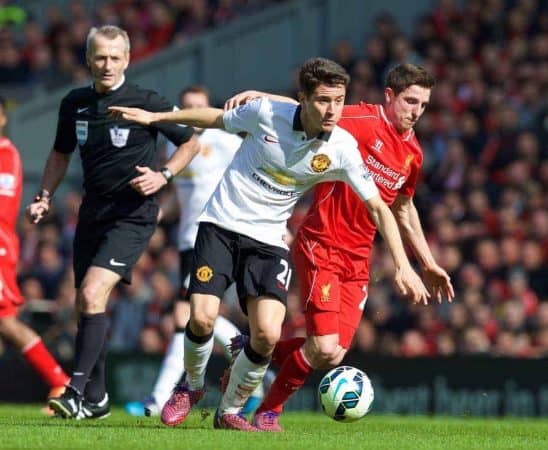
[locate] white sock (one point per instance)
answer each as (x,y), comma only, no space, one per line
(173,365)
(171,370)
(196,359)
(223,332)
(244,379)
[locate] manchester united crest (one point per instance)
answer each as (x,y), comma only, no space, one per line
(320,163)
(204,274)
(205,150)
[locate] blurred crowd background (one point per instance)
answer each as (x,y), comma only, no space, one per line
(483,198)
(46,52)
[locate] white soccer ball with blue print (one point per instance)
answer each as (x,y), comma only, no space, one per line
(346,394)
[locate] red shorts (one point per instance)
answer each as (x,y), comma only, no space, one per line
(10,296)
(333,289)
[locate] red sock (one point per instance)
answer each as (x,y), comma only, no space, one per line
(284,348)
(292,375)
(40,359)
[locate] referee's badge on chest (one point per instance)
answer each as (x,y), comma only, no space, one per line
(119,136)
(81,131)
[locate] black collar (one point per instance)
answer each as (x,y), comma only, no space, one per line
(298,126)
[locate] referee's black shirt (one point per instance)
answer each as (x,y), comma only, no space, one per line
(110,148)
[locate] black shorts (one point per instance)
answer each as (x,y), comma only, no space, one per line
(186,259)
(222,257)
(112,235)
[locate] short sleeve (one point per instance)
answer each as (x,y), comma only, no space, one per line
(65,137)
(355,173)
(244,118)
(175,133)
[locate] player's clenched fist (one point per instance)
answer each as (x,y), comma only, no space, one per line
(39,207)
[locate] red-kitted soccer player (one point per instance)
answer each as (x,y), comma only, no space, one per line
(12,329)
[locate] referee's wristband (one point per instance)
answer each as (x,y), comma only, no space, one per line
(167,174)
(43,195)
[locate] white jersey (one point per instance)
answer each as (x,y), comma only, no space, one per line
(275,165)
(198,180)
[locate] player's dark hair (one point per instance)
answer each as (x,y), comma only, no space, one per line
(194,89)
(404,75)
(316,71)
(3,103)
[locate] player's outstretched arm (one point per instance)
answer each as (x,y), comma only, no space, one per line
(407,280)
(246,96)
(54,171)
(194,117)
(436,278)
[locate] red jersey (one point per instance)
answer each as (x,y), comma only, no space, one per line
(11,177)
(337,217)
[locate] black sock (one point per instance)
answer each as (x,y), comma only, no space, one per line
(253,356)
(92,329)
(96,388)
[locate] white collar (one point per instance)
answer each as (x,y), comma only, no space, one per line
(113,88)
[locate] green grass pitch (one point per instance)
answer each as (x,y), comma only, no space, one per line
(24,427)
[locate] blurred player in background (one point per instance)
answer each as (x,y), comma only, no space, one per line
(333,246)
(12,329)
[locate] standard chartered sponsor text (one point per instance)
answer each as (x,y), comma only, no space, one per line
(384,175)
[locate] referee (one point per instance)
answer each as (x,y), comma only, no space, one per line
(119,210)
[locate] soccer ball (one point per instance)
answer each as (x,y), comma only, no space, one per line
(345,394)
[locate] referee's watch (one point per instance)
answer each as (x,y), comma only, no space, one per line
(167,174)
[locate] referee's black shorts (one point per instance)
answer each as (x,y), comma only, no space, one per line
(112,235)
(222,257)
